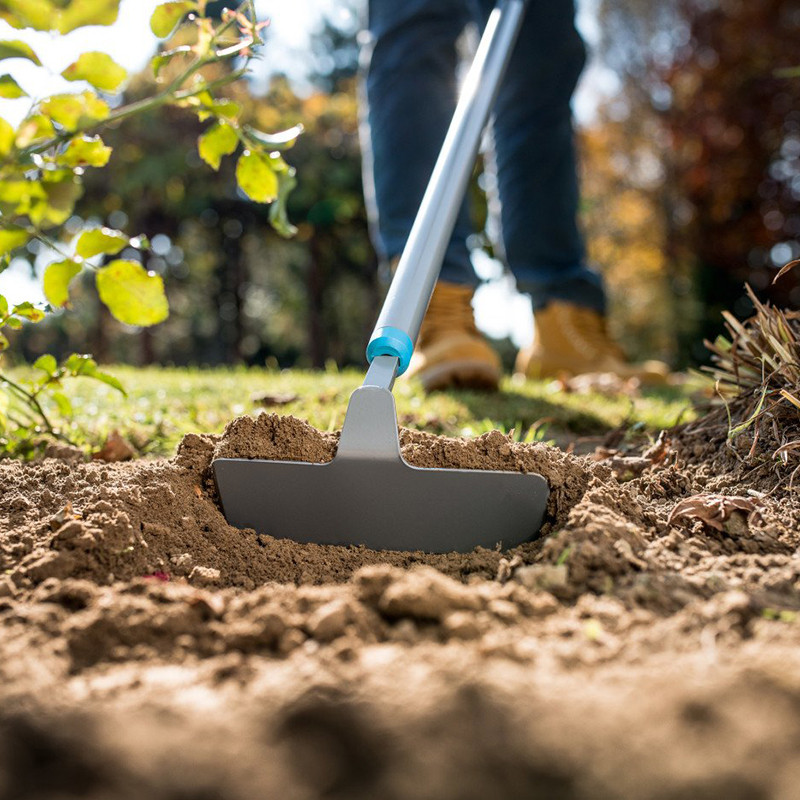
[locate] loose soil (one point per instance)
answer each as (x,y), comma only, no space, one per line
(644,646)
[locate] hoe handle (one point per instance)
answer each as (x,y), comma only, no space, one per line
(414,280)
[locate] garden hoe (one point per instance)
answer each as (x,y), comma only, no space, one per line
(368,495)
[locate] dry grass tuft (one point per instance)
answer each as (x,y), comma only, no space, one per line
(757,374)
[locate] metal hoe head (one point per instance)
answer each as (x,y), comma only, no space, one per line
(368,495)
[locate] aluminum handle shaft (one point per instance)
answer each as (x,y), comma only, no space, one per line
(412,286)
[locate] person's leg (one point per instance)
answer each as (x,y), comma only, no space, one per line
(535,159)
(411,91)
(410,61)
(538,191)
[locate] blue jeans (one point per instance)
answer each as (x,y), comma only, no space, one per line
(411,91)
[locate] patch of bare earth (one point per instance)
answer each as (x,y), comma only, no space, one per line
(645,646)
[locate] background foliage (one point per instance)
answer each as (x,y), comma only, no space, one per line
(691,174)
(44,160)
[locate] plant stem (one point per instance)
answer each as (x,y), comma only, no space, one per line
(31,400)
(48,242)
(140,106)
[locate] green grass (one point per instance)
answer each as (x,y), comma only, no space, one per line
(165,403)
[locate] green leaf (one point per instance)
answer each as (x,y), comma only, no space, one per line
(219,140)
(28,311)
(36,14)
(100,240)
(61,190)
(79,364)
(84,366)
(57,278)
(227,109)
(256,177)
(10,89)
(33,129)
(46,363)
(3,306)
(14,48)
(99,69)
(87,12)
(63,403)
(73,111)
(133,295)
(12,237)
(277,213)
(167,16)
(105,377)
(7,136)
(85,151)
(20,196)
(3,342)
(14,323)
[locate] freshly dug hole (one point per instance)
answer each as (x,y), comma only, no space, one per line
(108,522)
(279,438)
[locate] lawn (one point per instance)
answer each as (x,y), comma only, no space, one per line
(163,404)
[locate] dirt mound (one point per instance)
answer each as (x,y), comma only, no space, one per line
(644,647)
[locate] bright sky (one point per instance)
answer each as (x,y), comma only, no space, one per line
(500,311)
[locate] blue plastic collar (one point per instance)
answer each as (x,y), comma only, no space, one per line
(388,341)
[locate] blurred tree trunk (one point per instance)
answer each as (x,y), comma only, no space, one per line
(315,286)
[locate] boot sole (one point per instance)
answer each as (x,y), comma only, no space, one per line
(460,375)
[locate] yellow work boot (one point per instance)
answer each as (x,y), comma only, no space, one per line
(571,340)
(451,352)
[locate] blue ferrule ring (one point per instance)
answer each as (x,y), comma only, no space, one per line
(388,341)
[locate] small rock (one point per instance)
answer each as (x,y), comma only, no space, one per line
(69,530)
(66,514)
(290,640)
(461,625)
(504,610)
(204,576)
(7,588)
(425,593)
(542,576)
(183,560)
(329,621)
(371,582)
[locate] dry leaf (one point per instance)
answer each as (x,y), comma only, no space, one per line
(115,448)
(276,399)
(658,451)
(713,510)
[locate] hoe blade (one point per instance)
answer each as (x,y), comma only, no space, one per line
(383,505)
(368,495)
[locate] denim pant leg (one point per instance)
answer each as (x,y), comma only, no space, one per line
(535,159)
(411,93)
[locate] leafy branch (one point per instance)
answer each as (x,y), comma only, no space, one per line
(43,160)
